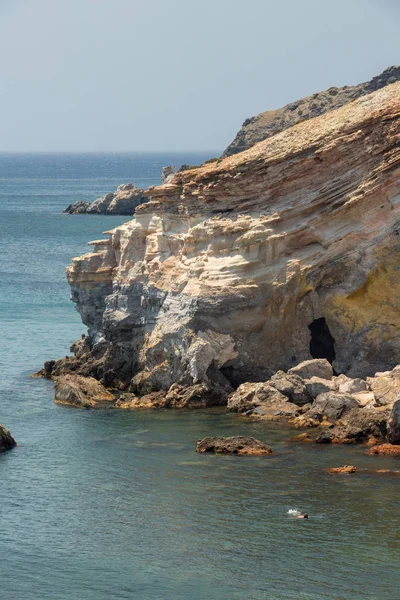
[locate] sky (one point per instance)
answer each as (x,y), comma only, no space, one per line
(173,75)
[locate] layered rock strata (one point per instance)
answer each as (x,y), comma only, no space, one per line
(122,202)
(271,122)
(242,267)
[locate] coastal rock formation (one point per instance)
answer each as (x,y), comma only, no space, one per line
(345,470)
(240,445)
(122,202)
(385,450)
(84,392)
(6,440)
(167,174)
(271,122)
(235,270)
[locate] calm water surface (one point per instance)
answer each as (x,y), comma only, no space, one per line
(98,505)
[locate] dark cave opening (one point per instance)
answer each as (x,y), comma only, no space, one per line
(322,344)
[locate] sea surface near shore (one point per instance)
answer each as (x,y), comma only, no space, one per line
(110,504)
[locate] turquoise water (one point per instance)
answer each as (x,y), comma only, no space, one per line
(103,505)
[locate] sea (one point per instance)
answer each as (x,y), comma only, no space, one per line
(112,505)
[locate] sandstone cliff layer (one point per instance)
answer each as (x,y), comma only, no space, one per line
(122,202)
(271,122)
(244,266)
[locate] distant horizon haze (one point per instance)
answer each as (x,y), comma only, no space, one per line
(115,76)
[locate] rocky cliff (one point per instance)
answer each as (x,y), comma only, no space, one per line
(287,251)
(122,202)
(271,122)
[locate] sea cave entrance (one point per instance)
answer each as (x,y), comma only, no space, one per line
(322,344)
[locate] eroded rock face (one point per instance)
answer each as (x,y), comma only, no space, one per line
(7,441)
(239,445)
(218,279)
(122,202)
(272,122)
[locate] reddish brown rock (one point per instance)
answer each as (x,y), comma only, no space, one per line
(346,469)
(385,449)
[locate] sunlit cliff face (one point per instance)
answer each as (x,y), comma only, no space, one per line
(224,272)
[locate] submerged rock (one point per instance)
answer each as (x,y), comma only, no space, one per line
(233,445)
(346,469)
(7,441)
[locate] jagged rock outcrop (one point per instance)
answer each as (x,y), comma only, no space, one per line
(167,173)
(271,122)
(122,202)
(218,279)
(6,440)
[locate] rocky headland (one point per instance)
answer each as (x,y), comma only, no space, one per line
(123,201)
(271,122)
(235,272)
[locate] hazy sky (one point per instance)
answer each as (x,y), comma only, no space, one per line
(175,74)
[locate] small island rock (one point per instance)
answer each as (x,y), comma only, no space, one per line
(239,445)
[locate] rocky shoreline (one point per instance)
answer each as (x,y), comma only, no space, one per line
(266,282)
(332,409)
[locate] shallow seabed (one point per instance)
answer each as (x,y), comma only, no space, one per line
(101,505)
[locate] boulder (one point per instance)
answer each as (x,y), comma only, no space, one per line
(365,399)
(332,405)
(318,367)
(239,445)
(346,469)
(357,426)
(386,389)
(292,386)
(302,437)
(316,386)
(384,449)
(262,400)
(196,396)
(353,386)
(393,424)
(83,392)
(6,440)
